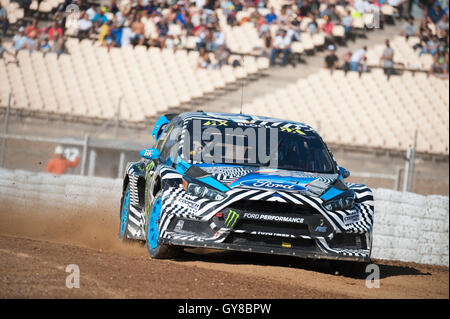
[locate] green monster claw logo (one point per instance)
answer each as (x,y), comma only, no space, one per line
(232,218)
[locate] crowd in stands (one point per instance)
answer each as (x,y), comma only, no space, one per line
(125,22)
(432,31)
(33,38)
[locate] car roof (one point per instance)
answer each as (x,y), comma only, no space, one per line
(240,117)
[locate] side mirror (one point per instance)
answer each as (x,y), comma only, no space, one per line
(343,172)
(150,153)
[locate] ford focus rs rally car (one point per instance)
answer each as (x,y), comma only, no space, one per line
(299,206)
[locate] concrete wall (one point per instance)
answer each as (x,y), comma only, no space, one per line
(411,227)
(408,227)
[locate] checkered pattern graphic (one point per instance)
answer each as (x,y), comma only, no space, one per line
(175,198)
(323,245)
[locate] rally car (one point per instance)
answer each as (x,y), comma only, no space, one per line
(201,185)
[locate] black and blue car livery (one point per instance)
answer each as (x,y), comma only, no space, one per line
(300,208)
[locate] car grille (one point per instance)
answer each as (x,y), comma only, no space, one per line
(278,208)
(272,228)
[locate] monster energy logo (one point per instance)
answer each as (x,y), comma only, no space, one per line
(232,217)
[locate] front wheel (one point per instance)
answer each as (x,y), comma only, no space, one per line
(155,248)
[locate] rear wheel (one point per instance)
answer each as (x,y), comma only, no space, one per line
(155,248)
(124,215)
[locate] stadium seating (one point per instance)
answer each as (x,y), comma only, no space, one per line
(368,111)
(15,13)
(90,81)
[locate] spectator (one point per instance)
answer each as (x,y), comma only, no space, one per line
(435,13)
(387,58)
(103,31)
(221,56)
(443,24)
(53,30)
(3,20)
(331,60)
(169,43)
(109,40)
(45,46)
(219,38)
(409,28)
(347,21)
(138,30)
(346,65)
(271,17)
(312,26)
(100,18)
(398,4)
(357,61)
(440,63)
(58,164)
(327,28)
(361,6)
(281,44)
(33,28)
(91,12)
(19,41)
(84,26)
(431,46)
(203,59)
(32,43)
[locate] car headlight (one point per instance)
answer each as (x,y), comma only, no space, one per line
(343,202)
(202,191)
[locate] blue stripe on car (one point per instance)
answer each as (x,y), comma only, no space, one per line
(125,208)
(332,192)
(153,228)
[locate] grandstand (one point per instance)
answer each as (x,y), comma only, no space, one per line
(88,82)
(94,82)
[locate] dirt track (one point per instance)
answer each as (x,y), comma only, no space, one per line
(34,253)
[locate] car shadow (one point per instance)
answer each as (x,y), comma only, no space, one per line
(386,269)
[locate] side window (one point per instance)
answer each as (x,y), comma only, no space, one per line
(169,150)
(162,139)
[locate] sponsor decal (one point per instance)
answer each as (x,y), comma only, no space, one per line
(350,219)
(216,123)
(190,204)
(273,185)
(263,233)
(232,218)
(179,225)
(285,219)
(292,130)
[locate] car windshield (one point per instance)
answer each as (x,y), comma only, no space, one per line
(229,142)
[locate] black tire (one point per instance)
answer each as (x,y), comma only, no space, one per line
(123,225)
(155,248)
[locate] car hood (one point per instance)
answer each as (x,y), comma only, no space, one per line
(313,184)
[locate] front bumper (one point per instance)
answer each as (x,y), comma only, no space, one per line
(269,227)
(311,252)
